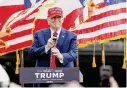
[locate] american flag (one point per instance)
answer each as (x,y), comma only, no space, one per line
(15,31)
(107,22)
(90,19)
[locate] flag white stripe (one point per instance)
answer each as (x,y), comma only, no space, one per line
(100,21)
(20,17)
(98,1)
(20,39)
(12,2)
(102,31)
(77,21)
(110,7)
(10,18)
(85,12)
(28,12)
(66,5)
(22,28)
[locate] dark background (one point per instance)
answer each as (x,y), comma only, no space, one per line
(114,57)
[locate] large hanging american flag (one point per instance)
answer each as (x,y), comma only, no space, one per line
(107,22)
(92,20)
(15,32)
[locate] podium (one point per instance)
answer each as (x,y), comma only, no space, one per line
(48,75)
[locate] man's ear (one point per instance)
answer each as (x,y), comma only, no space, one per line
(62,20)
(48,20)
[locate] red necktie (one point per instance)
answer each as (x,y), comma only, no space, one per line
(53,57)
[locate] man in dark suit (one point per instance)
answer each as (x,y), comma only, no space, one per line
(65,42)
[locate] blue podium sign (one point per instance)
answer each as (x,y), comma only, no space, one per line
(48,75)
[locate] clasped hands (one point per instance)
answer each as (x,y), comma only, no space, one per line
(51,44)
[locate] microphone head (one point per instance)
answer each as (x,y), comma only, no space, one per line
(55,34)
(55,37)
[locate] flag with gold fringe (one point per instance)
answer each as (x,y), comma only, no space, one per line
(17,31)
(107,22)
(16,24)
(94,21)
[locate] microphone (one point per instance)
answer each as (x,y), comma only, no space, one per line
(55,37)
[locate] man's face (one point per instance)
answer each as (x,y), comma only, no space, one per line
(55,22)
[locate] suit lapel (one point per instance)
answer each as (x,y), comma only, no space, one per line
(61,38)
(47,35)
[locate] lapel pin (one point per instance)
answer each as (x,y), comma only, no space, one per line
(63,36)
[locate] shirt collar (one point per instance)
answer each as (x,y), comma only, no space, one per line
(58,31)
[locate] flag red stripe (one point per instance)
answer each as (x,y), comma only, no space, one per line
(16,46)
(101,26)
(22,21)
(72,17)
(106,14)
(16,35)
(102,37)
(7,11)
(40,24)
(101,5)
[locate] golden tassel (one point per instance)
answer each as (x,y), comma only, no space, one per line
(124,63)
(17,62)
(94,62)
(125,53)
(103,54)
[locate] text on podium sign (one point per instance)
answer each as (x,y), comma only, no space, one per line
(48,75)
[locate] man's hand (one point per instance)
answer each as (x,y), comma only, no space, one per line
(57,53)
(113,83)
(50,43)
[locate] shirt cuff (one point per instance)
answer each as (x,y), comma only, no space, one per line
(61,60)
(46,49)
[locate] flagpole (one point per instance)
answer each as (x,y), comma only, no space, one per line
(103,54)
(22,58)
(77,60)
(22,62)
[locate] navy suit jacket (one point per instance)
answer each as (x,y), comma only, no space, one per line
(67,45)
